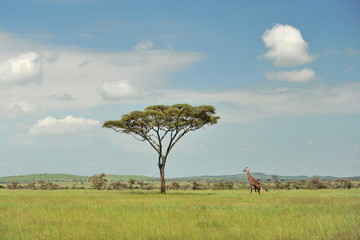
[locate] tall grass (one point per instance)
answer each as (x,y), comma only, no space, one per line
(91,214)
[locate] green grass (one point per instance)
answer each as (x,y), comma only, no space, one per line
(91,214)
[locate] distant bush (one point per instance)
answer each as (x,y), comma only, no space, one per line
(118,186)
(185,186)
(196,186)
(174,185)
(98,181)
(14,185)
(315,183)
(51,186)
(148,186)
(131,183)
(342,183)
(299,184)
(31,186)
(223,186)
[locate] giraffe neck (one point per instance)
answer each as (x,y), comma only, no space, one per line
(249,176)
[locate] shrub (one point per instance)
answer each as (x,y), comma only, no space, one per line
(185,187)
(45,185)
(315,183)
(118,185)
(174,185)
(195,186)
(300,184)
(223,186)
(131,182)
(342,183)
(148,186)
(98,181)
(31,186)
(14,185)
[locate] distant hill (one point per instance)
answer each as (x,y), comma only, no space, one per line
(69,178)
(219,178)
(45,177)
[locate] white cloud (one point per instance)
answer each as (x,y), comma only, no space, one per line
(286,46)
(21,108)
(68,125)
(310,142)
(305,75)
(21,69)
(77,74)
(116,90)
(246,105)
(144,45)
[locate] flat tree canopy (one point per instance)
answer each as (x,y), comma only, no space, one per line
(162,127)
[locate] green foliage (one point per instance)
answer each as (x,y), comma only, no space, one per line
(178,117)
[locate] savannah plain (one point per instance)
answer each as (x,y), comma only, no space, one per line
(179,214)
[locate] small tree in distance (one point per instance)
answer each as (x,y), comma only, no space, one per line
(163,126)
(98,181)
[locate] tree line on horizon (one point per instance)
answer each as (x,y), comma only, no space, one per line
(100,182)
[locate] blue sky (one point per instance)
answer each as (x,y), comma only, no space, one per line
(284,77)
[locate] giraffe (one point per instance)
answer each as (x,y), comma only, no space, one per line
(254,185)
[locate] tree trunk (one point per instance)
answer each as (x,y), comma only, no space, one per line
(162,178)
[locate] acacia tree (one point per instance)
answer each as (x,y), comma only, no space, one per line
(163,126)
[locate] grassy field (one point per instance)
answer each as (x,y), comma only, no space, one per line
(91,214)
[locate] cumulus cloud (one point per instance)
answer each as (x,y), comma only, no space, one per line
(81,73)
(116,90)
(67,125)
(21,69)
(286,46)
(144,45)
(21,108)
(305,75)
